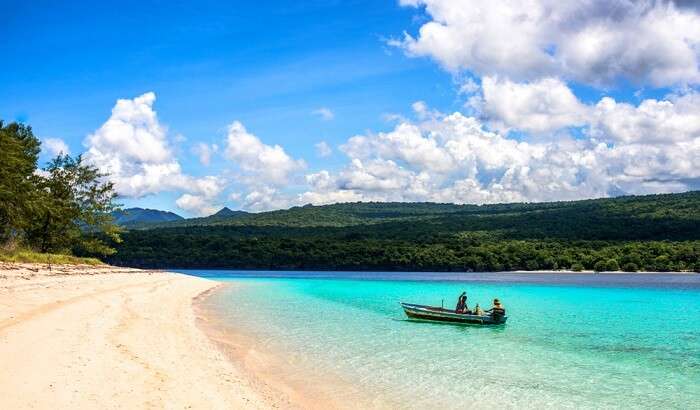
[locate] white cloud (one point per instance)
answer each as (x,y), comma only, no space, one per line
(55,146)
(330,197)
(324,113)
(548,105)
(209,186)
(541,106)
(650,147)
(265,198)
(323,150)
(204,152)
(421,110)
(267,164)
(468,86)
(197,204)
(595,41)
(132,148)
(406,143)
(453,158)
(676,119)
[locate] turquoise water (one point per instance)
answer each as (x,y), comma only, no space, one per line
(579,341)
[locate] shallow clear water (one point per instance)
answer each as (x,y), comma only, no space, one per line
(572,341)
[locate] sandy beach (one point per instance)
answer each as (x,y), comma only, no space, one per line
(84,337)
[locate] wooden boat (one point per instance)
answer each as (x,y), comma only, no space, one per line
(439,314)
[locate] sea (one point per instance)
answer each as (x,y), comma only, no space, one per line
(571,341)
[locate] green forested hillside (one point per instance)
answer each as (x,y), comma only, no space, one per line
(655,232)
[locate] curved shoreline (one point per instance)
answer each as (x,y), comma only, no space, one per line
(85,337)
(280,381)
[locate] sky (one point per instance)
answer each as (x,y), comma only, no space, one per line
(192,106)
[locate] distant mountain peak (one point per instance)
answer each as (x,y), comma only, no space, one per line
(226,211)
(132,216)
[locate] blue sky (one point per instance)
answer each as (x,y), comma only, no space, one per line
(272,65)
(269,65)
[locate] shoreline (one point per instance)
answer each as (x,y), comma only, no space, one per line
(591,272)
(301,271)
(86,337)
(283,379)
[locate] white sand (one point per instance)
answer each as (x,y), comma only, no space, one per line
(102,338)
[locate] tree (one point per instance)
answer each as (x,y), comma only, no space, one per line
(600,266)
(630,267)
(612,265)
(19,151)
(75,209)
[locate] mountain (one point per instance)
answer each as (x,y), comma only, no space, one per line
(227,212)
(653,232)
(224,216)
(594,218)
(141,216)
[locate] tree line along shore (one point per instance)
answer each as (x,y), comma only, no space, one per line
(636,233)
(67,208)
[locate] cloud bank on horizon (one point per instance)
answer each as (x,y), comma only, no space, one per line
(523,133)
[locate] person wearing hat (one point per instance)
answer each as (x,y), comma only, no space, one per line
(497,310)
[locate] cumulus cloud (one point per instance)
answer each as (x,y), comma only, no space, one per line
(324,113)
(541,106)
(323,150)
(548,105)
(196,204)
(455,158)
(132,148)
(594,41)
(621,148)
(55,146)
(268,164)
(205,200)
(204,152)
(264,198)
(468,86)
(406,143)
(676,119)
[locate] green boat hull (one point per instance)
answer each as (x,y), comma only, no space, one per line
(442,315)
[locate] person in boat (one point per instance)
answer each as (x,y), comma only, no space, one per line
(497,310)
(478,310)
(461,302)
(465,308)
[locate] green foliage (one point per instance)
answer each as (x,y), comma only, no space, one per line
(222,248)
(612,265)
(28,256)
(652,217)
(630,267)
(62,209)
(652,232)
(19,151)
(76,206)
